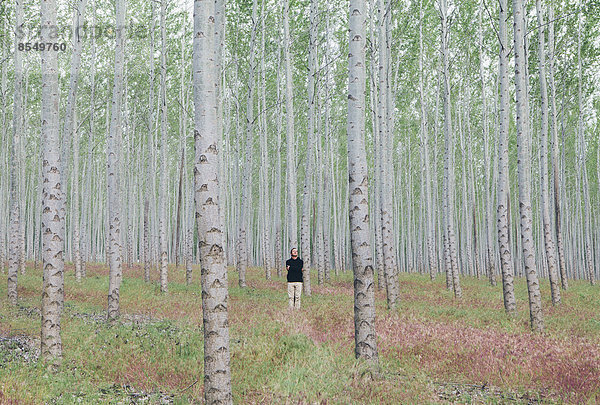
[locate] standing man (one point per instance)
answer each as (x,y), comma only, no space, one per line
(294,267)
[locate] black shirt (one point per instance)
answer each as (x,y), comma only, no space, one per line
(295,272)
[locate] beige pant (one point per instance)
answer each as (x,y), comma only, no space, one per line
(294,292)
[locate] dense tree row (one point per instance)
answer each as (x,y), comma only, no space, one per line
(444,143)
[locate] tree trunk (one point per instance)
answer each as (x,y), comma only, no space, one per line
(70,126)
(5,152)
(376,181)
(277,179)
(264,160)
(162,216)
(554,142)
(386,168)
(246,201)
(217,373)
(14,235)
(292,206)
(589,258)
(545,198)
(503,207)
(430,213)
(113,181)
(364,294)
(449,162)
(491,271)
(145,240)
(307,203)
(179,202)
(148,234)
(53,201)
(524,169)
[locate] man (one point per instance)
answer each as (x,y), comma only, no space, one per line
(294,268)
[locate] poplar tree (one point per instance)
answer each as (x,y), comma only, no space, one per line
(364,289)
(53,197)
(502,193)
(217,372)
(524,169)
(113,162)
(14,236)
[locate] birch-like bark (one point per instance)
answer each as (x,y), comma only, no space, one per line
(245,203)
(472,215)
(264,159)
(88,164)
(75,220)
(330,209)
(554,142)
(69,128)
(189,245)
(14,235)
(589,258)
(179,202)
(489,225)
(162,216)
(307,191)
(503,204)
(4,151)
(277,179)
(545,197)
(364,289)
(217,372)
(386,168)
(292,206)
(465,225)
(145,240)
(376,181)
(53,200)
(113,180)
(323,220)
(524,169)
(320,218)
(147,237)
(430,213)
(449,161)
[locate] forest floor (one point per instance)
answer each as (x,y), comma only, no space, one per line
(432,348)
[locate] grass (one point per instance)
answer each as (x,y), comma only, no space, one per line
(432,349)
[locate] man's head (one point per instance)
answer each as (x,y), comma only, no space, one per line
(294,253)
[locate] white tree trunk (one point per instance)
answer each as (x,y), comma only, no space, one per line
(149,181)
(246,200)
(582,169)
(292,206)
(449,162)
(162,215)
(545,197)
(364,294)
(555,162)
(430,213)
(113,162)
(14,234)
(386,168)
(53,200)
(524,169)
(503,205)
(70,128)
(264,160)
(217,372)
(489,225)
(277,179)
(4,151)
(307,201)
